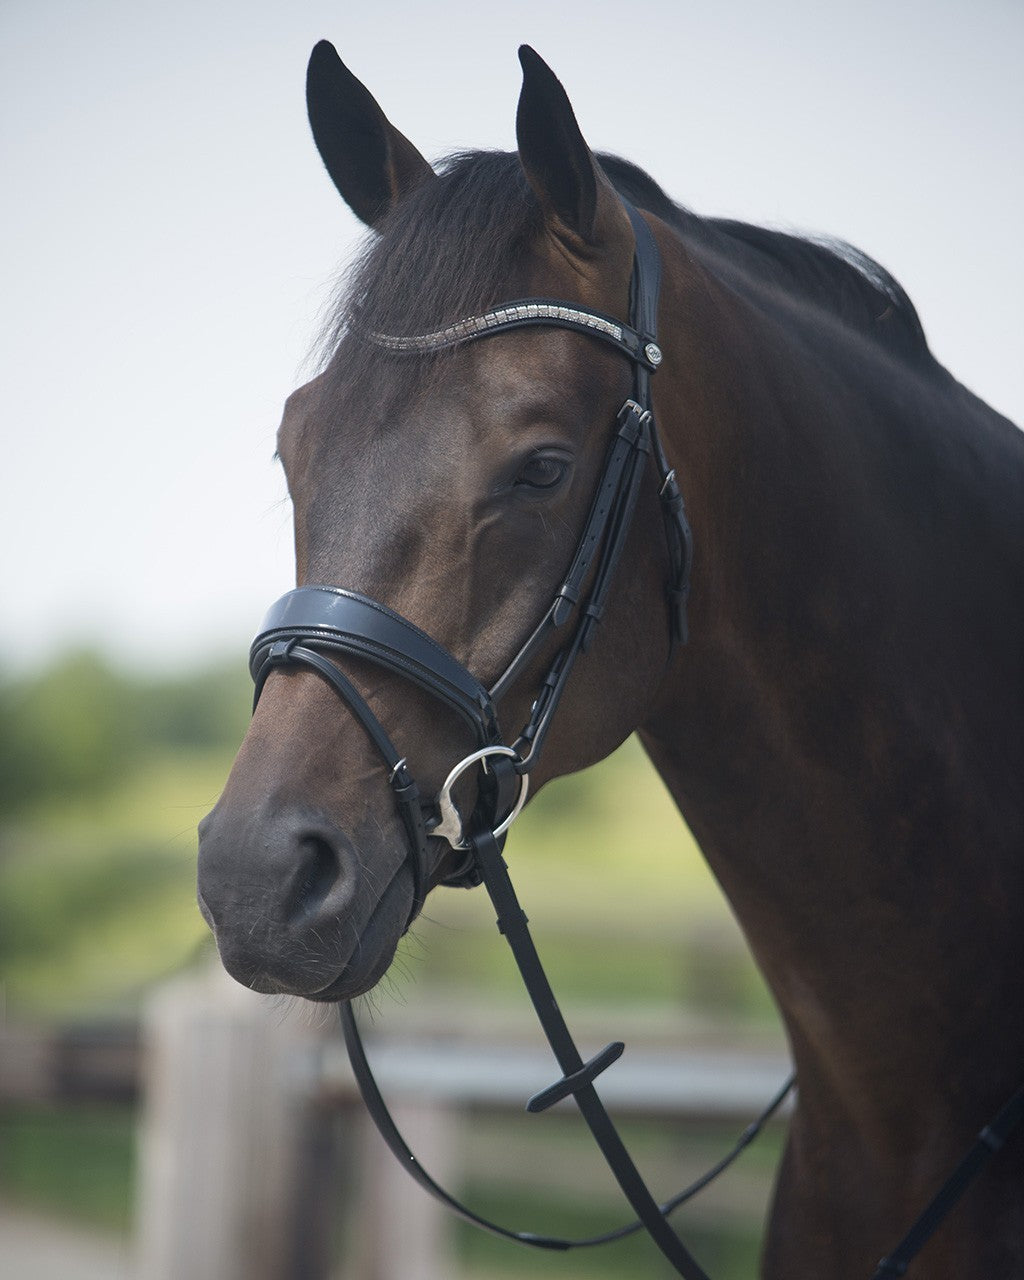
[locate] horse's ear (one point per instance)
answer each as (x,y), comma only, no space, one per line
(370,162)
(579,203)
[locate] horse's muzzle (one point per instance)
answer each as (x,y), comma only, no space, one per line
(290,904)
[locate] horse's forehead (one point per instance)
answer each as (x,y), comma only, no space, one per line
(385,424)
(494,383)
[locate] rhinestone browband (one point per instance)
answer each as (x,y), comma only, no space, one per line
(512,315)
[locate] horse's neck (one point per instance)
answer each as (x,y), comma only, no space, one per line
(843,731)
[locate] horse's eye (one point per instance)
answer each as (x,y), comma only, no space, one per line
(542,471)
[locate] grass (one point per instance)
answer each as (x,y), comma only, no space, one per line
(97,895)
(77,1162)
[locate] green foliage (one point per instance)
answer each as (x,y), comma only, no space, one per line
(51,900)
(201,710)
(61,732)
(74,1160)
(76,727)
(108,774)
(97,893)
(103,777)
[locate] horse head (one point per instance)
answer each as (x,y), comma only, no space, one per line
(450,483)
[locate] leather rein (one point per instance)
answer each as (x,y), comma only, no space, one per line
(310,624)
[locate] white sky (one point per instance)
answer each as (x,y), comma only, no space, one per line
(169,237)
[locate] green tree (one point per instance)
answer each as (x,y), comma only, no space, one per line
(78,725)
(62,732)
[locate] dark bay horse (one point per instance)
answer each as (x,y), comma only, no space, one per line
(843,731)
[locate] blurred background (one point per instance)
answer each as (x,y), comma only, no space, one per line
(169,244)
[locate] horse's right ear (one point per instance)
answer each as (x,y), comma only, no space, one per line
(370,162)
(579,203)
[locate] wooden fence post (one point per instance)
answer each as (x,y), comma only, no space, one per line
(222,1133)
(403,1233)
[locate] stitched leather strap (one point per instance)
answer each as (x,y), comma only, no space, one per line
(512,923)
(348,622)
(389,1131)
(644,291)
(616,475)
(289,653)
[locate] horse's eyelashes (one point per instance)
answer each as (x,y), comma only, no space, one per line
(542,471)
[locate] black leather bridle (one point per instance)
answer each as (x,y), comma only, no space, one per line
(313,621)
(310,624)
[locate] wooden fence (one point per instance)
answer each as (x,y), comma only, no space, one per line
(250,1122)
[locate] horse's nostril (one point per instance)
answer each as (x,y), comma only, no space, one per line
(322,869)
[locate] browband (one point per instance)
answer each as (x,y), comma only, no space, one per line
(528,313)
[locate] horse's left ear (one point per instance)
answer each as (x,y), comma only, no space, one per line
(580,205)
(370,162)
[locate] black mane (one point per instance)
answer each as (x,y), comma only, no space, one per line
(827,272)
(446,252)
(451,249)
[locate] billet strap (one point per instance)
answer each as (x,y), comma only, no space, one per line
(680,541)
(619,470)
(613,513)
(644,291)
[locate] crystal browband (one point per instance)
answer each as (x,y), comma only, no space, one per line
(517,315)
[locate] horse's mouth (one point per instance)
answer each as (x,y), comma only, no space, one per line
(261,970)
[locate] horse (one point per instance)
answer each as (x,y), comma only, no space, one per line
(842,728)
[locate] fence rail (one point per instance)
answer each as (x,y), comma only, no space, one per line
(723,1083)
(241,1132)
(78,1062)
